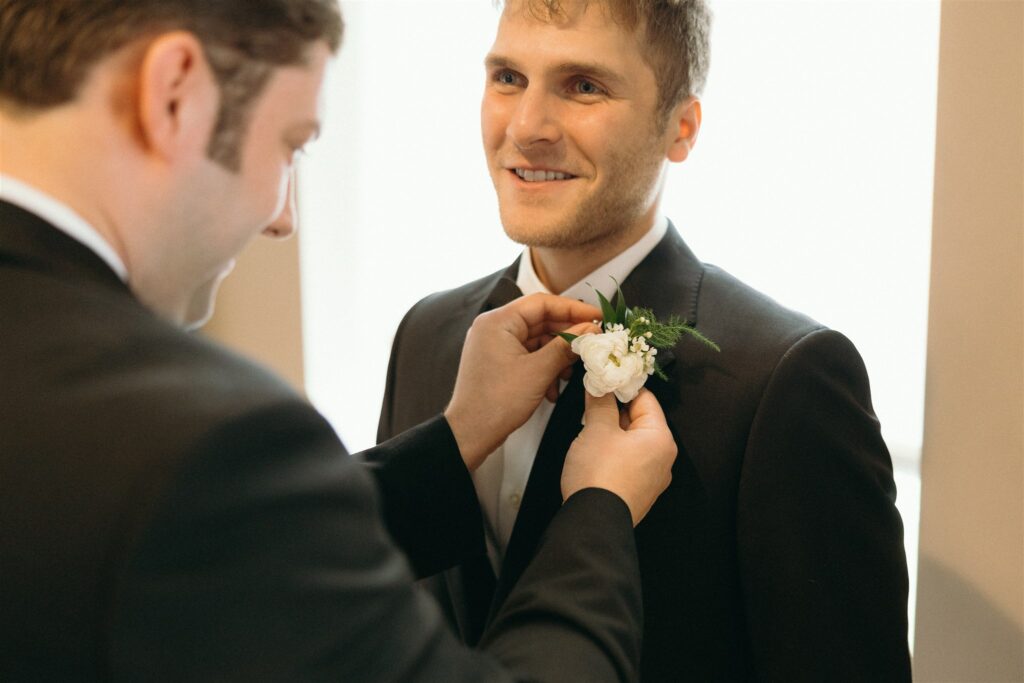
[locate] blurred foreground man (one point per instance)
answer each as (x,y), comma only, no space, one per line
(169,511)
(777,552)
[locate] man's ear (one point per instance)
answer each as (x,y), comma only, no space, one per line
(177,96)
(683,126)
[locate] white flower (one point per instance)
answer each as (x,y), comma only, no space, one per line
(614,363)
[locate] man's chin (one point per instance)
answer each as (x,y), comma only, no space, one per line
(542,236)
(198,314)
(534,229)
(200,306)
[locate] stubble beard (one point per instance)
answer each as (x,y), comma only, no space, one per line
(604,216)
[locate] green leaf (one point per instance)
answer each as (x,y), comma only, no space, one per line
(659,373)
(607,312)
(567,337)
(620,304)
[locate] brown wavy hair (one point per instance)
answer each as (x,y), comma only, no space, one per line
(49,47)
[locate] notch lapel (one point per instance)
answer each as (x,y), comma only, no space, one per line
(668,282)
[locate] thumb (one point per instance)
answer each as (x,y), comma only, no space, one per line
(603,410)
(555,356)
(645,412)
(558,353)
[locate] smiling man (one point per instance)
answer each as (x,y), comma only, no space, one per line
(169,511)
(777,551)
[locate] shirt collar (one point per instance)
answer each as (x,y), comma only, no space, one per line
(601,278)
(62,217)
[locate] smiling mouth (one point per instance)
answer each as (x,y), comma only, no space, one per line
(540,175)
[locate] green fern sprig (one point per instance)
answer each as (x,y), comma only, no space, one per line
(664,335)
(641,321)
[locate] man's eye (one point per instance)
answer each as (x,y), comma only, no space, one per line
(506,78)
(585,87)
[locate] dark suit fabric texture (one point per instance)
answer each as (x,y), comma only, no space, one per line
(170,511)
(776,553)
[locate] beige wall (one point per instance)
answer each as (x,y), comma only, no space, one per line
(970,608)
(259,311)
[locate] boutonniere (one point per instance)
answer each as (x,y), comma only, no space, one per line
(622,356)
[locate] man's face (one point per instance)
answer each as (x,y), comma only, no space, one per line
(568,120)
(233,207)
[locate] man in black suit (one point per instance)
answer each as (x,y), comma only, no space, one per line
(169,511)
(777,552)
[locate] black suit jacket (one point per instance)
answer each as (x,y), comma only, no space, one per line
(777,552)
(169,511)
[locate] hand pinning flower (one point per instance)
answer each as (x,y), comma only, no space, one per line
(622,357)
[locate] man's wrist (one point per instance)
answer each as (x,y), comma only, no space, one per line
(473,452)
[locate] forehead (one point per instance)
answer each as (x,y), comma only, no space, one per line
(582,32)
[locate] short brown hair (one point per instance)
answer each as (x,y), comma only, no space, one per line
(48,47)
(675,40)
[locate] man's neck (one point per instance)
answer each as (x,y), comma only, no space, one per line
(559,269)
(79,159)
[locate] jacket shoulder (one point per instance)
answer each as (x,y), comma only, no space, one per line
(746,321)
(454,304)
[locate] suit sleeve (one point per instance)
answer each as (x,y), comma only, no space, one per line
(266,560)
(820,540)
(429,503)
(386,423)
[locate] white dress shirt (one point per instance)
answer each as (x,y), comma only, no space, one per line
(501,480)
(62,217)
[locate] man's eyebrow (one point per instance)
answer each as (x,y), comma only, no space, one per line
(498,62)
(596,71)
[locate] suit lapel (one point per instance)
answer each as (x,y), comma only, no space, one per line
(668,282)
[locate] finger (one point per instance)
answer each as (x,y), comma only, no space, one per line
(566,374)
(552,392)
(603,410)
(645,412)
(556,326)
(535,342)
(580,329)
(576,330)
(536,308)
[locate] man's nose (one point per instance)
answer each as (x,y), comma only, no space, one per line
(287,221)
(534,120)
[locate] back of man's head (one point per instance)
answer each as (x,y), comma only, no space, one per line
(49,47)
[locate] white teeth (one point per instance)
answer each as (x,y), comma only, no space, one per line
(532,176)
